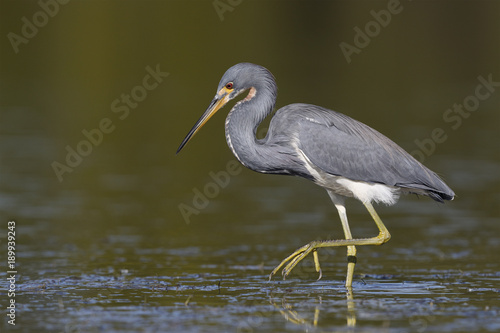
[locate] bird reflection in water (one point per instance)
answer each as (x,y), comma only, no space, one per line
(293,316)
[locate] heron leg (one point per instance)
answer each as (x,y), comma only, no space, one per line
(338,201)
(292,260)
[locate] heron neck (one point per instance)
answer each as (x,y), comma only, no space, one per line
(241,128)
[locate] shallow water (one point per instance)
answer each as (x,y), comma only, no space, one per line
(125,269)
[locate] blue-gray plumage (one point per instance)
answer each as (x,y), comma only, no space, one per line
(342,155)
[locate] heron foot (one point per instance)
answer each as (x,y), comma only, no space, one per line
(296,257)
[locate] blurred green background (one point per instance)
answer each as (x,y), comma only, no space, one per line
(62,77)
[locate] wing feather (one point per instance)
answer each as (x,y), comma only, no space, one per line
(343,146)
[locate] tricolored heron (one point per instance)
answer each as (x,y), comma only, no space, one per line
(344,156)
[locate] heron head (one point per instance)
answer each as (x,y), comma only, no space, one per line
(237,79)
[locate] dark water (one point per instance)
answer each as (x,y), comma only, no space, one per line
(136,239)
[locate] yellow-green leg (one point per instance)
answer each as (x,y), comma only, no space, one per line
(292,260)
(338,201)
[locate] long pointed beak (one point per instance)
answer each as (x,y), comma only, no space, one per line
(218,102)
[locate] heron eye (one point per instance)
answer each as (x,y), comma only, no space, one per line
(229,85)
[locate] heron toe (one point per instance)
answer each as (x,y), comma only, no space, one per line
(295,258)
